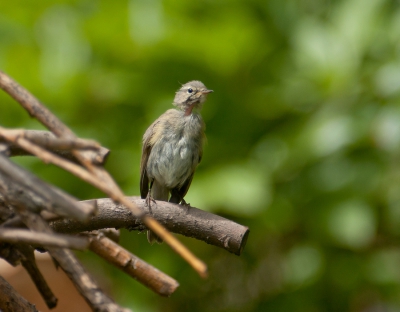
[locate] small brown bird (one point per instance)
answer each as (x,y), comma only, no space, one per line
(172,148)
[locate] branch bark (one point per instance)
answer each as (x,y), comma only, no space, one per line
(84,283)
(29,263)
(61,147)
(23,254)
(15,180)
(188,221)
(143,272)
(12,301)
(17,236)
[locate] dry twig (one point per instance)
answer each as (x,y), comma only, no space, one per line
(16,236)
(23,254)
(144,273)
(61,147)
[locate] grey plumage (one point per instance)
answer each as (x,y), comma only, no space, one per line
(173,147)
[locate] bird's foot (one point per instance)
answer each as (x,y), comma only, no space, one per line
(148,201)
(184,203)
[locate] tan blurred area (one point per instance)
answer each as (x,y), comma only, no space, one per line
(68,297)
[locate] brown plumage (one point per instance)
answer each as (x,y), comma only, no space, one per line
(173,147)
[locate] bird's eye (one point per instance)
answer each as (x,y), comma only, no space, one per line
(190,90)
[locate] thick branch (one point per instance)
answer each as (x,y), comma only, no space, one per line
(13,179)
(10,300)
(188,221)
(144,273)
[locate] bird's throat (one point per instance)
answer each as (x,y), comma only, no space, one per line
(189,110)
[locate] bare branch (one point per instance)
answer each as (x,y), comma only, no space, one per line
(61,147)
(42,239)
(188,221)
(29,263)
(23,254)
(13,179)
(85,284)
(10,300)
(144,273)
(33,106)
(47,139)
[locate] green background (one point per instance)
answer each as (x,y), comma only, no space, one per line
(303,135)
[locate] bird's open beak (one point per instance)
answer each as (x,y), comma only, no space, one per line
(207,91)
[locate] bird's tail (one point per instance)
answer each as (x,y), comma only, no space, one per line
(158,192)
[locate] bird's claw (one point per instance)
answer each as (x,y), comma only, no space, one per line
(185,204)
(148,201)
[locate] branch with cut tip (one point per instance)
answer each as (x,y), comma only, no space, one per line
(188,221)
(144,273)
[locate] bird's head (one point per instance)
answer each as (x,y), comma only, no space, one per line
(191,95)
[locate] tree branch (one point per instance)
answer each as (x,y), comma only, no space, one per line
(23,254)
(10,300)
(85,284)
(29,263)
(144,273)
(19,179)
(188,221)
(61,147)
(16,236)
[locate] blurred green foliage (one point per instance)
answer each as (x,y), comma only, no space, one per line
(303,136)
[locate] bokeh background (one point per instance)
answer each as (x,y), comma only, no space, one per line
(303,136)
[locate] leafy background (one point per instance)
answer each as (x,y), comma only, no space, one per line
(303,136)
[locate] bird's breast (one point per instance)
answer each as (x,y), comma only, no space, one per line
(176,153)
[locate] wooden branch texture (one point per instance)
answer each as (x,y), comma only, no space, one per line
(15,181)
(58,146)
(188,221)
(16,236)
(10,300)
(84,283)
(144,273)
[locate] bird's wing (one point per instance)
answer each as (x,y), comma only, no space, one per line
(178,193)
(146,150)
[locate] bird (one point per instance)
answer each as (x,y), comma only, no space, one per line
(172,148)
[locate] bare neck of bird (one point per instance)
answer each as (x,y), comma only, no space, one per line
(189,110)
